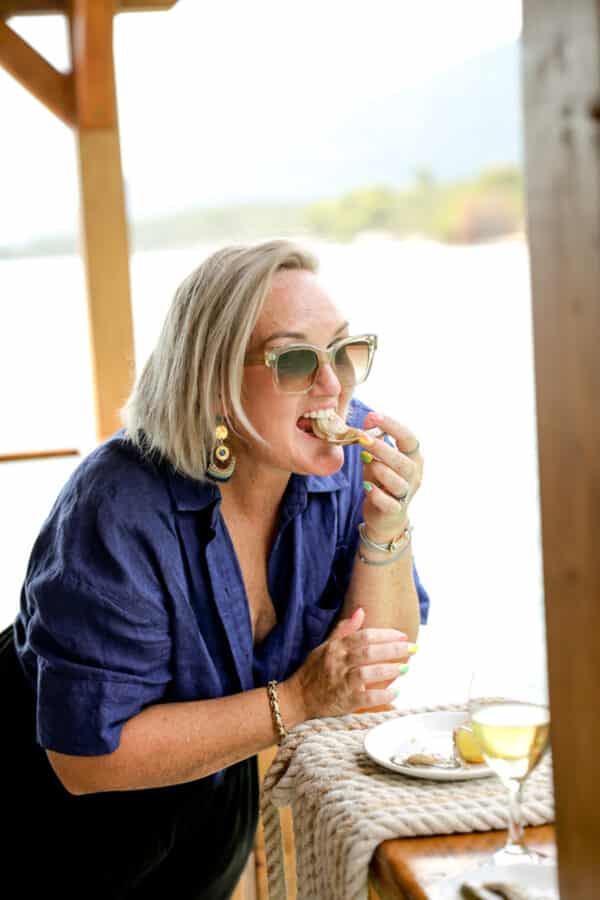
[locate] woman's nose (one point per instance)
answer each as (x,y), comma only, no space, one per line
(327,381)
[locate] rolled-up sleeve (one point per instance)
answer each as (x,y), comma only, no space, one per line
(99,664)
(97,638)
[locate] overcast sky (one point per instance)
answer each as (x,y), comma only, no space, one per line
(213,97)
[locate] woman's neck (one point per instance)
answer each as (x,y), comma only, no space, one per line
(254,491)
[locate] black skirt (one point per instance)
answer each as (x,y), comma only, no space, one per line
(186,842)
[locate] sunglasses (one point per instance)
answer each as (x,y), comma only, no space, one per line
(295,366)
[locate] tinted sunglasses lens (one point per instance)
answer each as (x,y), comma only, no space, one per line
(352,362)
(296,369)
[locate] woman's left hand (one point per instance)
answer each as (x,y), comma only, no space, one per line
(395,475)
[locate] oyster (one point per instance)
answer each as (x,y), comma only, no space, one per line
(427,759)
(334,430)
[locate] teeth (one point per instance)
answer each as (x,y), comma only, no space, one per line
(320,414)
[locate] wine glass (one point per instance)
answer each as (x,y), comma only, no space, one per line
(510,720)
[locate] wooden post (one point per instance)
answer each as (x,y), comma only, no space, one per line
(86,99)
(103,218)
(562,127)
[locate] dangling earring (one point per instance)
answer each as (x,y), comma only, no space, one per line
(222,461)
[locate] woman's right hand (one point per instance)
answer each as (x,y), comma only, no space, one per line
(346,672)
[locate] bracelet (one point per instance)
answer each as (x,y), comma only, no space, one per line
(383,562)
(398,543)
(275,711)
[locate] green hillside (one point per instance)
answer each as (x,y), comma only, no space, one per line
(467,211)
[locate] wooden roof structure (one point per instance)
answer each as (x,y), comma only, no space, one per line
(85,100)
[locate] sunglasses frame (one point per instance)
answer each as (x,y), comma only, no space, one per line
(325,356)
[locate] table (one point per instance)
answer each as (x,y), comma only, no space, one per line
(407,868)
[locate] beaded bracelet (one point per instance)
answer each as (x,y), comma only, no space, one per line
(275,710)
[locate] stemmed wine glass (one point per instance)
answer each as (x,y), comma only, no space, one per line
(510,720)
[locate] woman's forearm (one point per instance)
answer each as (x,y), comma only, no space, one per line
(173,743)
(386,593)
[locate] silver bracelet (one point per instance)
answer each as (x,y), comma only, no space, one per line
(383,562)
(398,543)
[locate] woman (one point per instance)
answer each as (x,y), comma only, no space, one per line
(209,550)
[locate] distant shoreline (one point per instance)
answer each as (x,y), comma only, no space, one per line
(483,208)
(69,248)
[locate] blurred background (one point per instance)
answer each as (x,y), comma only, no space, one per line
(388,139)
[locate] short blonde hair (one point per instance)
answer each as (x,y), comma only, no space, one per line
(198,362)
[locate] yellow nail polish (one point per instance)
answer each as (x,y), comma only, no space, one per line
(366,456)
(412,648)
(365,440)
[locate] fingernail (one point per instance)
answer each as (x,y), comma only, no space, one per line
(366,456)
(367,486)
(376,417)
(403,669)
(365,440)
(412,648)
(356,613)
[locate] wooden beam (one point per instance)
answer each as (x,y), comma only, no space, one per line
(53,7)
(103,219)
(562,131)
(52,88)
(28,455)
(91,30)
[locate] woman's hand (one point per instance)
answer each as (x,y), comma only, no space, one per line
(394,474)
(336,676)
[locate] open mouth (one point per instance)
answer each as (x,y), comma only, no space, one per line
(306,422)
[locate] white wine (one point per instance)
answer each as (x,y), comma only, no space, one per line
(513,736)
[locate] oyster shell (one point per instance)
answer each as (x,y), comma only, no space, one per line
(427,759)
(335,431)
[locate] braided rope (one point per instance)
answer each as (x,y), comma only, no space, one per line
(344,805)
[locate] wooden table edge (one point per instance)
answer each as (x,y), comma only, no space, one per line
(407,868)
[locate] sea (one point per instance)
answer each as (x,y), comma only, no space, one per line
(455,364)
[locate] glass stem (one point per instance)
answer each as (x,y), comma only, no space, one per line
(515,842)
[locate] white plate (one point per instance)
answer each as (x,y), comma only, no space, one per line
(420,733)
(542,880)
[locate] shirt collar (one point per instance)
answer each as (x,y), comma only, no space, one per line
(191,495)
(300,486)
(319,484)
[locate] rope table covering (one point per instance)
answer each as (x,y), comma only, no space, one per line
(344,805)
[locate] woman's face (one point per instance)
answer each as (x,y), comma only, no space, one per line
(300,308)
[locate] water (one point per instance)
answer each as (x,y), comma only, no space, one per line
(454,364)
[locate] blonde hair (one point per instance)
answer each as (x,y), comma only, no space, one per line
(197,364)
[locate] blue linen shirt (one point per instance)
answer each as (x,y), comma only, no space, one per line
(134,596)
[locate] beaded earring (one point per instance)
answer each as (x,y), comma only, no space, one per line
(222,461)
